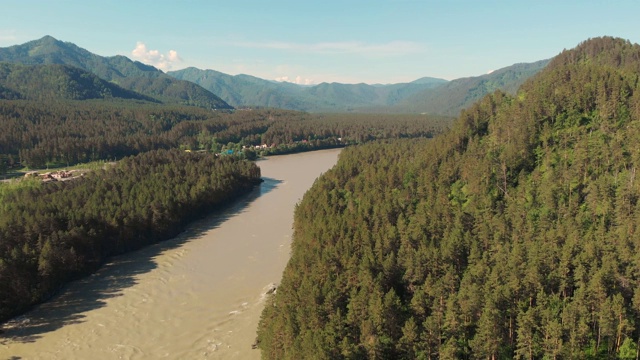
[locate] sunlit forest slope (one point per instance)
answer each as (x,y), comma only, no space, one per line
(515,235)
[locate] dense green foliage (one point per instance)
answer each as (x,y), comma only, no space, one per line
(515,235)
(58,82)
(54,232)
(36,134)
(133,76)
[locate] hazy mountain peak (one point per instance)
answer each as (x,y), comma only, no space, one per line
(429,80)
(47,39)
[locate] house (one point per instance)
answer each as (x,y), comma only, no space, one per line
(59,175)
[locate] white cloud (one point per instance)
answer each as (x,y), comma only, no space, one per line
(154,57)
(173,56)
(394,48)
(298,80)
(301,81)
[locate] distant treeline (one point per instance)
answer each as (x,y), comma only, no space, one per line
(514,235)
(37,134)
(55,232)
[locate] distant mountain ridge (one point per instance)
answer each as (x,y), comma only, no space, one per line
(213,89)
(131,75)
(244,90)
(452,97)
(250,91)
(429,80)
(424,95)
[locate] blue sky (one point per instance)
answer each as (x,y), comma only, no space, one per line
(348,41)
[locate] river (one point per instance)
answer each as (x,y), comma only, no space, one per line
(198,296)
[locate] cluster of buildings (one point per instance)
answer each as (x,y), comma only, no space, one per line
(60,175)
(263,146)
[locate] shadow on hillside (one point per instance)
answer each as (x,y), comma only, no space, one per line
(121,272)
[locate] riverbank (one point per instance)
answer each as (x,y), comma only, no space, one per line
(199,295)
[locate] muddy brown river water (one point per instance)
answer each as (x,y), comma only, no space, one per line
(198,296)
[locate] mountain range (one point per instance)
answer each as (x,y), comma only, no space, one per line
(249,91)
(425,95)
(212,89)
(119,70)
(455,95)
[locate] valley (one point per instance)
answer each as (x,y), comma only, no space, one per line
(488,217)
(198,295)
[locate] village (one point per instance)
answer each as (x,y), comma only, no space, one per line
(60,175)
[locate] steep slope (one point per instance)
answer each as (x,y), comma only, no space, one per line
(120,70)
(450,98)
(512,236)
(58,82)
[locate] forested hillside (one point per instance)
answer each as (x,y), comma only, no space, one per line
(120,70)
(52,233)
(515,235)
(247,91)
(58,83)
(63,133)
